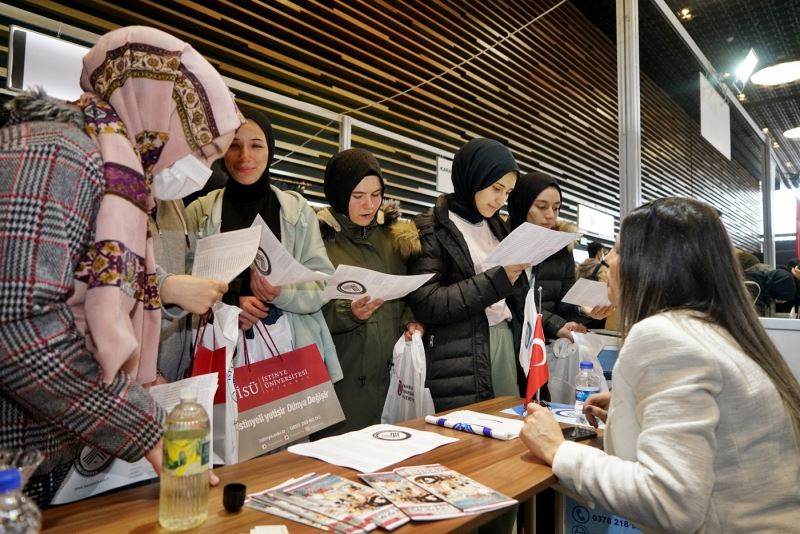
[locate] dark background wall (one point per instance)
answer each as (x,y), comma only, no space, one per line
(548,92)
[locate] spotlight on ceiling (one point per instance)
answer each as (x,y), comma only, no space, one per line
(746,67)
(741,97)
(685,14)
(794,133)
(777,74)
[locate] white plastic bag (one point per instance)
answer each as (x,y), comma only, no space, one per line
(223,333)
(407,398)
(563,363)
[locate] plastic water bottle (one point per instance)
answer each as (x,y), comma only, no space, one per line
(18,514)
(587,383)
(183,502)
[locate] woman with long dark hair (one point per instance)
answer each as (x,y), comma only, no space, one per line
(703,425)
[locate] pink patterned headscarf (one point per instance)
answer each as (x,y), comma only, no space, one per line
(151,100)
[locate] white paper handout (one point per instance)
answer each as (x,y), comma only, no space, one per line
(529,243)
(353,283)
(223,256)
(275,263)
(96,472)
(563,413)
(587,292)
(372,448)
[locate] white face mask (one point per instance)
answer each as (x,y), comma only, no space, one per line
(184,177)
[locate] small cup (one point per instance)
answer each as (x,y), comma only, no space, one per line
(233,497)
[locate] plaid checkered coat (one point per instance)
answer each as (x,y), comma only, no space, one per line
(52,394)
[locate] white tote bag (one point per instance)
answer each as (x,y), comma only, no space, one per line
(407,398)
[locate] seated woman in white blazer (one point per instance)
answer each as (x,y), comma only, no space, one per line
(703,424)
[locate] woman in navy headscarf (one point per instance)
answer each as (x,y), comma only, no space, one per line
(471,313)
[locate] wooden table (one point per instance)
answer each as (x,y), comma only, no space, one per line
(503,465)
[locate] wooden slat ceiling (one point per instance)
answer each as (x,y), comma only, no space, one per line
(549,92)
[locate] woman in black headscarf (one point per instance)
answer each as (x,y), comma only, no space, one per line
(537,200)
(247,193)
(472,314)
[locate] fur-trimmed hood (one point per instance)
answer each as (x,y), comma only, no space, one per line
(405,237)
(35,105)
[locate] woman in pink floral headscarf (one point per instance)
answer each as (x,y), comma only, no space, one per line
(160,114)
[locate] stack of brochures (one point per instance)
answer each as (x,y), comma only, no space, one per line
(421,493)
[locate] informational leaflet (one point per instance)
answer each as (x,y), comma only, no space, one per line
(563,413)
(276,264)
(344,500)
(353,283)
(223,256)
(96,472)
(491,426)
(414,501)
(372,448)
(528,243)
(585,292)
(459,490)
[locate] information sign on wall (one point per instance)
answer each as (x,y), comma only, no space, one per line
(444,179)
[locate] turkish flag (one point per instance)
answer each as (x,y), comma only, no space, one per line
(537,372)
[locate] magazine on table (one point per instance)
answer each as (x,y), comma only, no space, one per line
(268,504)
(414,501)
(455,488)
(344,500)
(267,501)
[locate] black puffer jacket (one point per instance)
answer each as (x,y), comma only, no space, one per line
(556,275)
(451,305)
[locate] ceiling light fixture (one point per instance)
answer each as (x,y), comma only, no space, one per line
(685,14)
(741,97)
(746,67)
(777,74)
(794,133)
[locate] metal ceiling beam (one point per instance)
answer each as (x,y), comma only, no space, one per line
(767,194)
(629,105)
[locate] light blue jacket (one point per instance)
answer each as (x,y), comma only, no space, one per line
(301,237)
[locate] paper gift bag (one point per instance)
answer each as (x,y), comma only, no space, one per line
(280,399)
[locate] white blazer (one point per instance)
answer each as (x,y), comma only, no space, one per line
(697,437)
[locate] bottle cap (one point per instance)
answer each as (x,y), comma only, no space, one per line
(233,497)
(586,365)
(10,480)
(189,393)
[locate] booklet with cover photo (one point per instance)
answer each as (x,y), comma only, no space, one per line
(455,488)
(411,499)
(344,500)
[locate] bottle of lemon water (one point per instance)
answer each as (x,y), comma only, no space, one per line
(183,502)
